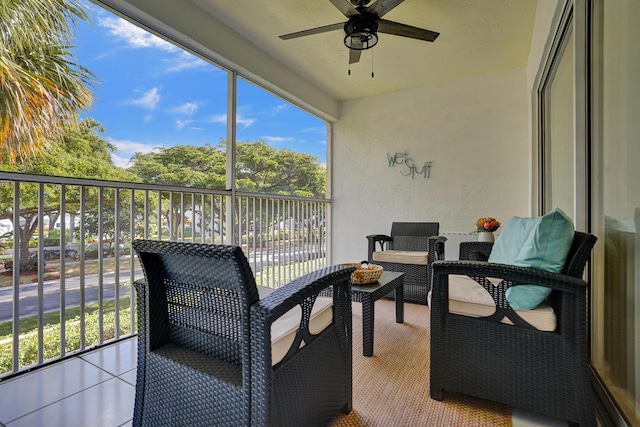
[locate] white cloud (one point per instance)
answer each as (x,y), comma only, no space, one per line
(316,129)
(274,111)
(137,38)
(131,146)
(148,100)
(182,123)
(222,118)
(244,121)
(133,36)
(122,162)
(219,118)
(188,108)
(276,139)
(125,149)
(185,61)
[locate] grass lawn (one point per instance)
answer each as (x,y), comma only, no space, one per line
(30,324)
(28,340)
(72,268)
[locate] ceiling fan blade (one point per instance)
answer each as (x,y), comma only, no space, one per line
(354,56)
(382,7)
(397,29)
(345,7)
(318,30)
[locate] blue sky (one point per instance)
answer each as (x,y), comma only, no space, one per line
(152,94)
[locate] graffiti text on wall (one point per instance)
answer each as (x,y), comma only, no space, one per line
(407,166)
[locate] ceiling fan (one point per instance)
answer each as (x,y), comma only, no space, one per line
(363,25)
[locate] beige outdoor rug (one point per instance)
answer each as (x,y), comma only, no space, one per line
(392,387)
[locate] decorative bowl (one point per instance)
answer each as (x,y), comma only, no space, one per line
(365,273)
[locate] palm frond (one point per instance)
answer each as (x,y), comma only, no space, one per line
(41,87)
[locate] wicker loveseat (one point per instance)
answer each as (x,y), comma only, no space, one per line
(206,350)
(410,249)
(500,355)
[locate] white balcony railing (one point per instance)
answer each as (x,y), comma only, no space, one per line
(74,291)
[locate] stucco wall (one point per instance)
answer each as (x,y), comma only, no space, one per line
(475,131)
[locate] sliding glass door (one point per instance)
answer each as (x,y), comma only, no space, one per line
(616,137)
(557,142)
(589,152)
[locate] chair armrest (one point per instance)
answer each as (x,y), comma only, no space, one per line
(511,273)
(293,293)
(436,248)
(376,238)
(381,237)
(570,297)
(302,291)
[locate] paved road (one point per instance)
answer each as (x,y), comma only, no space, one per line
(28,304)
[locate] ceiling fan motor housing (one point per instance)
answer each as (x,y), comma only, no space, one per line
(363,24)
(361,32)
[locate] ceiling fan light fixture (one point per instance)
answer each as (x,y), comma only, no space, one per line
(360,33)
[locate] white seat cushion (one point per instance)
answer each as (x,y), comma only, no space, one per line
(468,298)
(283,330)
(402,257)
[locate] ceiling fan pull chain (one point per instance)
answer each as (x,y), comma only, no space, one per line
(371,64)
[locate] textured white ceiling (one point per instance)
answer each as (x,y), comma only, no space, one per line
(476,37)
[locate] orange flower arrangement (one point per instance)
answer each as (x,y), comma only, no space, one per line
(487,224)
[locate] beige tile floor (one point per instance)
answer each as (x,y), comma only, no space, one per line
(97,389)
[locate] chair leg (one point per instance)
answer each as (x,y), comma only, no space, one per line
(587,419)
(436,393)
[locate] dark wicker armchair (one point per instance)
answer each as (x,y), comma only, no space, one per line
(205,350)
(410,249)
(475,251)
(516,364)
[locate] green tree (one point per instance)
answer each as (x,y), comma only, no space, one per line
(182,165)
(41,87)
(263,169)
(80,152)
(259,168)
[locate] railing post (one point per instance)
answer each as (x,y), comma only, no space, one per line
(15,326)
(281,233)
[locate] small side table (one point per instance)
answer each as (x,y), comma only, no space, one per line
(369,294)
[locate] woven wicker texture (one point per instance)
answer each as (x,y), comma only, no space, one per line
(411,236)
(546,372)
(392,387)
(471,250)
(204,347)
(363,276)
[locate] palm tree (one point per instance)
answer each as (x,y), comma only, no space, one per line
(41,88)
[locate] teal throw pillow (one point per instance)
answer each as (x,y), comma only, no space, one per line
(548,244)
(513,237)
(542,243)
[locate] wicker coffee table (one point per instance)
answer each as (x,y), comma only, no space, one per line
(369,294)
